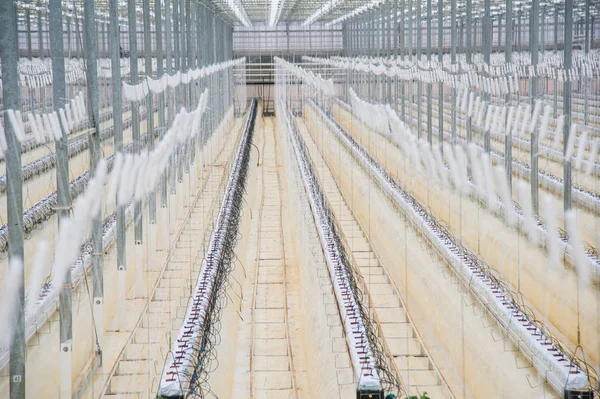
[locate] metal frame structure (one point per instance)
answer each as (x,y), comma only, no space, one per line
(52,50)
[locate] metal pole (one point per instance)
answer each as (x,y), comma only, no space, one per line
(419,84)
(372,47)
(117,106)
(568,63)
(395,45)
(487,50)
(475,35)
(468,55)
(388,53)
(63,200)
(410,33)
(429,85)
(556,28)
(189,52)
(556,51)
(543,31)
(135,115)
(9,53)
(453,61)
(587,51)
(176,41)
(169,56)
(170,92)
(90,50)
(519,26)
(499,31)
(199,46)
(189,47)
(175,97)
(161,98)
(78,51)
(469,30)
(403,53)
(534,40)
(508,60)
(149,100)
(40,34)
(441,84)
(461,35)
(28,26)
(69,46)
(587,26)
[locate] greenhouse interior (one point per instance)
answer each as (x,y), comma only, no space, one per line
(255,199)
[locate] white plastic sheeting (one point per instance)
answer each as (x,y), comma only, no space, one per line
(139,91)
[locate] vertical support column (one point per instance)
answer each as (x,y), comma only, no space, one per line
(389,50)
(69,46)
(440,38)
(149,100)
(28,27)
(101,41)
(419,83)
(135,128)
(555,52)
(519,28)
(487,50)
(555,28)
(149,257)
(499,32)
(534,42)
(461,35)
(587,51)
(429,85)
(189,59)
(568,64)
(90,48)
(176,49)
(161,239)
(42,54)
(453,40)
(29,54)
(168,57)
(468,39)
(403,53)
(213,33)
(543,32)
(78,49)
(395,50)
(468,53)
(9,53)
(189,45)
(372,47)
(508,59)
(175,158)
(170,93)
(117,106)
(410,58)
(183,29)
(475,35)
(200,46)
(63,200)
